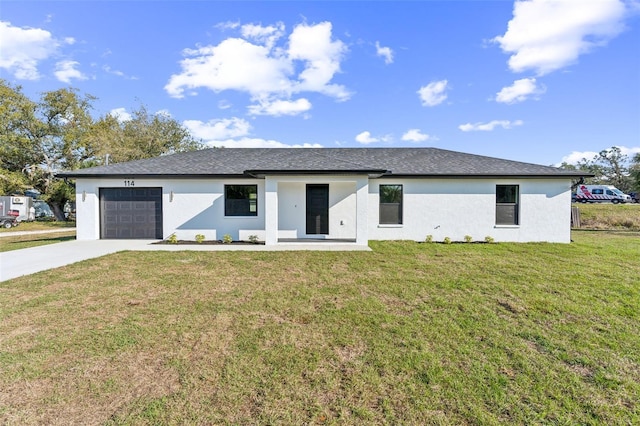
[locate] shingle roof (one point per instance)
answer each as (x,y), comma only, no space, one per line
(261,161)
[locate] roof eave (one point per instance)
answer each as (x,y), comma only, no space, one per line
(149,175)
(489,175)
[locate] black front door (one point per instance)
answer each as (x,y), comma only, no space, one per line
(318,209)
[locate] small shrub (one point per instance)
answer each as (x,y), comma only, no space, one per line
(467,238)
(199,238)
(253,239)
(489,239)
(429,239)
(447,240)
(226,239)
(173,239)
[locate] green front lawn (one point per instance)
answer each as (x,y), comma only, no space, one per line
(8,243)
(39,226)
(407,334)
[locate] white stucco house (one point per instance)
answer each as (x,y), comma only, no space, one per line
(345,194)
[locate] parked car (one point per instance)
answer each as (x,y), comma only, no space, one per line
(42,210)
(635,197)
(8,221)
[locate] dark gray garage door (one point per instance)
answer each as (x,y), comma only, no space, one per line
(131,213)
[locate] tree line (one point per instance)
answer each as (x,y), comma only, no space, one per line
(39,139)
(611,167)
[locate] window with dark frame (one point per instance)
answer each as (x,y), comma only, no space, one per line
(507,200)
(391,204)
(241,200)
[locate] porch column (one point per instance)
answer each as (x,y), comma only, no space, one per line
(362,211)
(271,210)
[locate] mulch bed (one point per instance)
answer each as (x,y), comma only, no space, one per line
(209,243)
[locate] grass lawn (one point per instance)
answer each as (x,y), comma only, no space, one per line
(407,334)
(39,226)
(26,241)
(609,216)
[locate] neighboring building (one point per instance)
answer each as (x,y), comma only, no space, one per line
(351,194)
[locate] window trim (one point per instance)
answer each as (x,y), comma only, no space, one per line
(400,204)
(515,205)
(245,214)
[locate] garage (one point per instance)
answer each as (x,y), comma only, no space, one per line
(131,213)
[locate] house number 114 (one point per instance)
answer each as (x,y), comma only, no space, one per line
(128,183)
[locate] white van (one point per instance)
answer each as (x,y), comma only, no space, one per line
(601,194)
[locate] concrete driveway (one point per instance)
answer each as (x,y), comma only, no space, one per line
(17,263)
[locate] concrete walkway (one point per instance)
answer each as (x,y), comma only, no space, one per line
(17,263)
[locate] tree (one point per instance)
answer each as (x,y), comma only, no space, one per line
(613,163)
(18,128)
(40,139)
(12,182)
(145,135)
(634,172)
(609,167)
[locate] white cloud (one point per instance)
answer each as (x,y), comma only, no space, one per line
(118,73)
(366,138)
(630,151)
(384,52)
(487,127)
(234,64)
(23,48)
(164,113)
(415,135)
(278,108)
(234,133)
(433,93)
(109,70)
(577,156)
(257,65)
(120,114)
(257,143)
(312,44)
(227,25)
(263,35)
(520,91)
(547,35)
(218,129)
(66,71)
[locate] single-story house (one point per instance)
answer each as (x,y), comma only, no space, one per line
(343,194)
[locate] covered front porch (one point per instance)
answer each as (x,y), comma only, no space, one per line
(316,209)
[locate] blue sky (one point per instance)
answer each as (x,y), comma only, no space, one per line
(535,81)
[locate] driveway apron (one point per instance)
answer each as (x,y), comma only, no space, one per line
(17,263)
